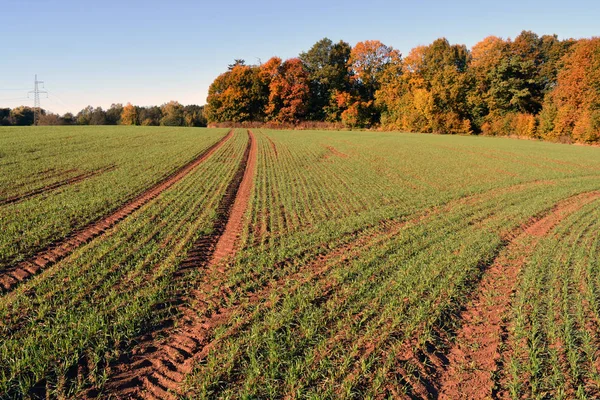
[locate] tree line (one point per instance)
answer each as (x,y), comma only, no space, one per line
(169,114)
(533,86)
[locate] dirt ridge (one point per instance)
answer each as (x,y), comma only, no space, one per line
(11,277)
(158,366)
(161,376)
(474,359)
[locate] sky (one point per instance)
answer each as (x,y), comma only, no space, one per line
(150,52)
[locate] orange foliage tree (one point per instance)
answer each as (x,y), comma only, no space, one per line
(129,115)
(288,90)
(572,109)
(535,86)
(237,95)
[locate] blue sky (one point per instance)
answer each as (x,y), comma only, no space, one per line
(150,52)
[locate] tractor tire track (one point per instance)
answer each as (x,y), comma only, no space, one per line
(135,376)
(475,358)
(56,185)
(158,370)
(13,276)
(157,367)
(226,245)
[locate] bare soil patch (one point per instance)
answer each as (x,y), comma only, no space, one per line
(335,152)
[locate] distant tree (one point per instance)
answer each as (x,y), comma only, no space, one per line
(129,115)
(84,116)
(172,114)
(236,63)
(5,116)
(327,66)
(68,119)
(193,115)
(98,117)
(149,116)
(113,114)
(50,119)
(288,92)
(237,95)
(21,116)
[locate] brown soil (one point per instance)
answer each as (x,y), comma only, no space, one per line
(474,359)
(12,276)
(55,185)
(335,152)
(228,240)
(159,364)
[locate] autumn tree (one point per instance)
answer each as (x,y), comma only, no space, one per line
(429,93)
(288,91)
(129,115)
(511,79)
(237,95)
(572,108)
(367,63)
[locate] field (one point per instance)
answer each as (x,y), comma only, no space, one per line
(206,263)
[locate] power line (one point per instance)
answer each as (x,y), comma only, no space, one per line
(36,99)
(60,100)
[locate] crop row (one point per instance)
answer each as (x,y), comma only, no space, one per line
(61,329)
(554,333)
(114,166)
(358,324)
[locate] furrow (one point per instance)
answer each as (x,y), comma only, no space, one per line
(473,359)
(11,277)
(171,358)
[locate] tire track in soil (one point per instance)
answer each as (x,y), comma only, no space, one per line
(157,371)
(12,276)
(474,359)
(56,185)
(157,366)
(273,146)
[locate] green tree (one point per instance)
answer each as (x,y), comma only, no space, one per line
(327,66)
(149,116)
(5,116)
(172,114)
(193,115)
(22,116)
(113,114)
